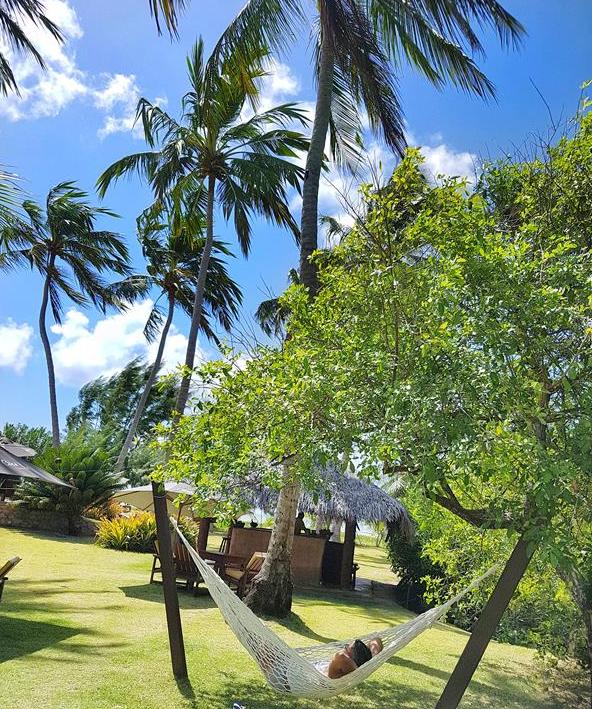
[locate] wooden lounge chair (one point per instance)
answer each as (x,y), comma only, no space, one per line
(185,570)
(239,576)
(5,570)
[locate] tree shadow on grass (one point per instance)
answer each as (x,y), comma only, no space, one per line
(371,694)
(153,592)
(51,536)
(297,625)
(22,637)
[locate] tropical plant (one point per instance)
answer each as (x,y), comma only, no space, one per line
(173,268)
(357,44)
(138,532)
(212,157)
(15,15)
(270,314)
(81,460)
(61,242)
(134,533)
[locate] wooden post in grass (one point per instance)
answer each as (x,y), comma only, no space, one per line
(204,533)
(349,545)
(169,584)
(486,625)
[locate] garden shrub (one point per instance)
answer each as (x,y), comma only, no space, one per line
(135,533)
(138,532)
(109,510)
(447,553)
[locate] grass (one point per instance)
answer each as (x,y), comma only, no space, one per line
(81,627)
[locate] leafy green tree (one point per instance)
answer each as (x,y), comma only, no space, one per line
(173,268)
(61,242)
(449,342)
(214,158)
(84,462)
(446,554)
(107,404)
(36,437)
(13,15)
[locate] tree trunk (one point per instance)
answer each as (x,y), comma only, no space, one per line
(127,444)
(53,401)
(271,592)
(486,625)
(169,583)
(183,394)
(314,161)
(580,592)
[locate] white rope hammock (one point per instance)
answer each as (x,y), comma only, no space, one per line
(300,671)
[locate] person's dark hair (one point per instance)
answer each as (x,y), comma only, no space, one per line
(360,653)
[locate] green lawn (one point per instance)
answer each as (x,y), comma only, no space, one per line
(81,627)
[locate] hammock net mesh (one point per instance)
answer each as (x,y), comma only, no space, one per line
(299,671)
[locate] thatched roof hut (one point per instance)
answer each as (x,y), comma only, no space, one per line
(345,497)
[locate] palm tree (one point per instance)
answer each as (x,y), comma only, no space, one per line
(360,46)
(173,268)
(14,15)
(213,157)
(62,243)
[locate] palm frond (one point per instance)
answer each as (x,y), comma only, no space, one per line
(167,12)
(12,15)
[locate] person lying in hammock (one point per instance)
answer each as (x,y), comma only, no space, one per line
(353,656)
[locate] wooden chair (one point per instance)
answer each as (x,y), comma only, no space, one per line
(239,576)
(224,545)
(185,569)
(5,570)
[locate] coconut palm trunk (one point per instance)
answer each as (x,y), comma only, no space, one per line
(53,400)
(127,444)
(314,162)
(183,394)
(271,592)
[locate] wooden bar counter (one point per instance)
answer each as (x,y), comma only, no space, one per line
(307,553)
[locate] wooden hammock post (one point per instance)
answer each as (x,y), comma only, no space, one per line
(486,625)
(169,583)
(349,544)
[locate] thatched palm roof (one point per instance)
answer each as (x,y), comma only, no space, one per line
(346,497)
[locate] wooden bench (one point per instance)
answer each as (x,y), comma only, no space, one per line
(5,570)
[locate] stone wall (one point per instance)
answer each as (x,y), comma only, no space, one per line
(21,517)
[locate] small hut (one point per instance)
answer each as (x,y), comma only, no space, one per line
(345,498)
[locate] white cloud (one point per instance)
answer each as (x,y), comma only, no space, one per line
(125,122)
(278,86)
(15,345)
(45,93)
(83,352)
(118,89)
(442,160)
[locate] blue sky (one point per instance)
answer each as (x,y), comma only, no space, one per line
(76,119)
